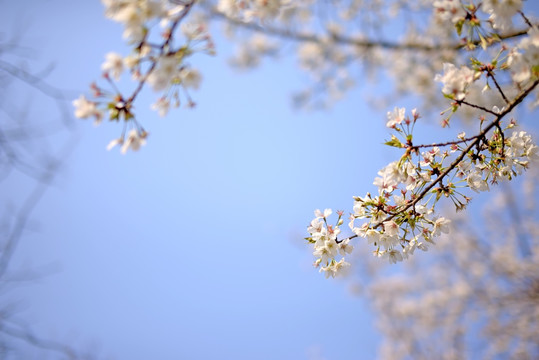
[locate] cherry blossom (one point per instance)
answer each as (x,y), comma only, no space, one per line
(114,65)
(455,80)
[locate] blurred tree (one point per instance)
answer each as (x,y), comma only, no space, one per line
(474,297)
(33,150)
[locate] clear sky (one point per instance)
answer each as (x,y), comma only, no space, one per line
(192,248)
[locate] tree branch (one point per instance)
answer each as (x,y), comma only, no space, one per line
(345,40)
(476,139)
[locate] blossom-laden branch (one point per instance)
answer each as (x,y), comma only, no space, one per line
(402,217)
(221,13)
(334,41)
(158,61)
(162,64)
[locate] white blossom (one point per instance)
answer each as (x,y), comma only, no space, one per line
(451,10)
(166,70)
(396,117)
(162,105)
(85,108)
(114,65)
(455,80)
(134,141)
(190,78)
(501,12)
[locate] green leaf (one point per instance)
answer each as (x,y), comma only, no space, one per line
(484,43)
(449,96)
(394,142)
(114,114)
(459,25)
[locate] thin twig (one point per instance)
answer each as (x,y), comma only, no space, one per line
(162,48)
(491,75)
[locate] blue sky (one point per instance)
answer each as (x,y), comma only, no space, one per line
(192,248)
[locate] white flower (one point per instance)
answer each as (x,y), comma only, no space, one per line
(410,248)
(133,11)
(324,215)
(229,7)
(391,176)
(521,63)
(422,246)
(329,271)
(316,226)
(131,61)
(327,251)
(373,236)
(393,256)
(311,55)
(85,108)
(463,168)
(194,30)
(335,268)
(171,15)
(519,67)
(162,105)
(475,181)
(134,32)
(501,12)
(262,45)
(388,241)
(165,70)
(345,247)
(190,78)
(113,65)
(449,10)
(455,80)
(134,141)
(340,268)
(265,9)
(114,143)
(441,225)
(121,10)
(521,145)
(395,118)
(391,228)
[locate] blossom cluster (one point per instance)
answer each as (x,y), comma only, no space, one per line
(248,10)
(155,60)
(401,217)
(456,81)
(326,244)
(524,58)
